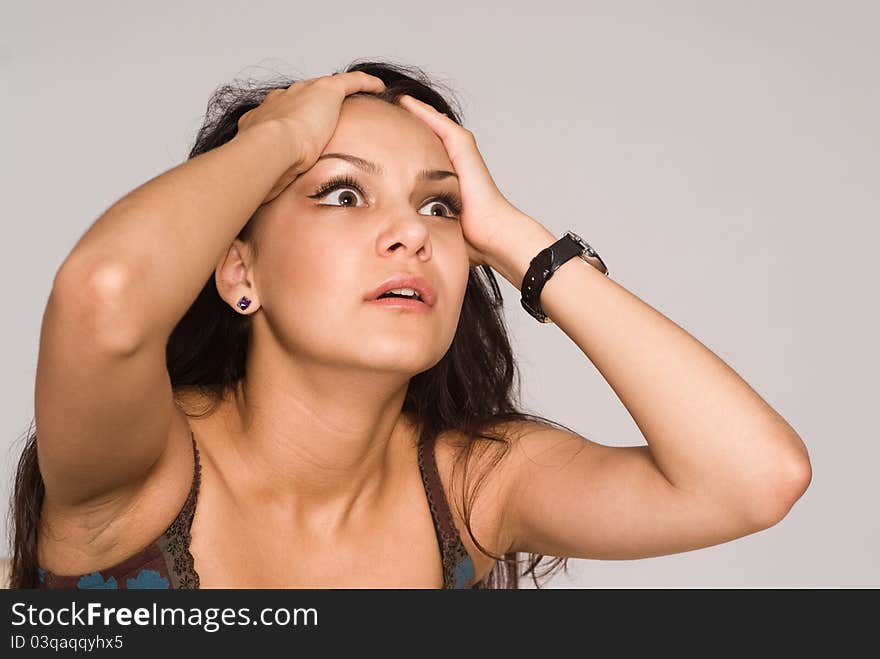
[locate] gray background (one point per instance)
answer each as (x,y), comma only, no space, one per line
(722,157)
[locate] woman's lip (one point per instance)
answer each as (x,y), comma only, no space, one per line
(406,280)
(401,303)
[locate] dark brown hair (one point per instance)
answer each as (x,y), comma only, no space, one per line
(468,392)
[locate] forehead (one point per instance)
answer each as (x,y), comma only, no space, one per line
(386,134)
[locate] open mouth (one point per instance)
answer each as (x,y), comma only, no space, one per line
(400,300)
(401,293)
(405,290)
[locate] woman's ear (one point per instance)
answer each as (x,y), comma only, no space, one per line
(235,278)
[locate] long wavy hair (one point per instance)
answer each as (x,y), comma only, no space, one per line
(470,391)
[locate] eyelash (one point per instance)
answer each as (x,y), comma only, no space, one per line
(346,181)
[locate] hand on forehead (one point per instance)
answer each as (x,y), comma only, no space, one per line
(388,136)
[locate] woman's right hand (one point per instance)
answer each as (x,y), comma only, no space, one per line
(308,111)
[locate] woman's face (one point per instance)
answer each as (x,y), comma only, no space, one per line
(319,256)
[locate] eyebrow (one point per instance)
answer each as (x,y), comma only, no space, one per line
(374,169)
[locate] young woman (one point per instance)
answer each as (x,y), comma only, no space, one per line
(282,363)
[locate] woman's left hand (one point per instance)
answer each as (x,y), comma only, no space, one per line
(486,214)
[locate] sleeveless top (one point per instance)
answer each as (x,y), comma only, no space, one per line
(168,563)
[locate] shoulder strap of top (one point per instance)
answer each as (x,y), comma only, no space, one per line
(452,551)
(190,505)
(187,512)
(176,539)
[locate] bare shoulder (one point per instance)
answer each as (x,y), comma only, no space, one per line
(503,463)
(477,475)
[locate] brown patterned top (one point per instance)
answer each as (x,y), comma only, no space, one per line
(167,562)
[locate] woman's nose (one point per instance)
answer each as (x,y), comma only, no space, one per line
(407,229)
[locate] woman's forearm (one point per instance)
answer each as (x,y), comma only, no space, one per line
(710,433)
(158,245)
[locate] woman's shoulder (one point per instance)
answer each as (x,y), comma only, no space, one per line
(476,476)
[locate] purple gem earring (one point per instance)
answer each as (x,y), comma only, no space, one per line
(243,303)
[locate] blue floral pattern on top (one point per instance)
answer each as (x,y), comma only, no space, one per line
(94,581)
(148,579)
(41,574)
(463,573)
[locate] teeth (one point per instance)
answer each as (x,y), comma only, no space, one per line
(404,291)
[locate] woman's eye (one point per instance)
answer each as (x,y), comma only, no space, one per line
(344,193)
(346,197)
(443,208)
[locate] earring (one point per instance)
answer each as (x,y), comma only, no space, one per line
(243,303)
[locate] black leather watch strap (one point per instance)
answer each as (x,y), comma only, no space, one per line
(541,269)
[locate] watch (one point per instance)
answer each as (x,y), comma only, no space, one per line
(547,261)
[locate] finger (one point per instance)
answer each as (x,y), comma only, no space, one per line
(445,127)
(458,140)
(360,81)
(460,145)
